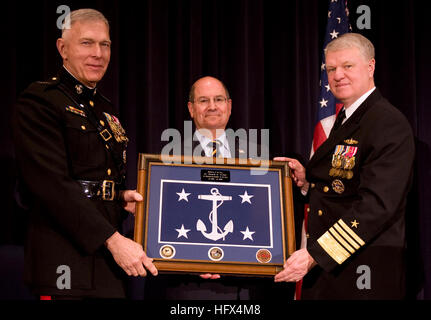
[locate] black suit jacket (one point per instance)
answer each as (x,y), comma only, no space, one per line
(358,218)
(56,145)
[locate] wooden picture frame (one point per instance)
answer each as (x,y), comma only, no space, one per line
(182,225)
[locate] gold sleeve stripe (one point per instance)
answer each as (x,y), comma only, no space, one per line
(341,240)
(333,248)
(346,236)
(351,232)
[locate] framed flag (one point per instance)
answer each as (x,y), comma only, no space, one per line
(232,216)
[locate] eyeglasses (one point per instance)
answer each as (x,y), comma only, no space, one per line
(204,101)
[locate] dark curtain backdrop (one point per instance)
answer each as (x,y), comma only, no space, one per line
(267,53)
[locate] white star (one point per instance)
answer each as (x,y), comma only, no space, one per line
(183,195)
(329,14)
(334,34)
(323,66)
(247,234)
(339,20)
(246,197)
(182,232)
(323,103)
(327,87)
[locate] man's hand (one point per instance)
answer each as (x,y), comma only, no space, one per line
(129,198)
(130,256)
(296,267)
(297,172)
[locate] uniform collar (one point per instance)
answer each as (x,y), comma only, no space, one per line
(80,89)
(345,131)
(355,105)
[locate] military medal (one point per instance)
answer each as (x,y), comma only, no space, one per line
(117,129)
(343,161)
(341,173)
(332,170)
(336,161)
(349,161)
(338,186)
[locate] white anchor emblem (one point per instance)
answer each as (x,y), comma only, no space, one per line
(216,233)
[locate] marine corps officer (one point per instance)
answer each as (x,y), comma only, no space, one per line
(70,150)
(357,182)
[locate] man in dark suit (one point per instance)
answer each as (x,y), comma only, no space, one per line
(357,183)
(70,150)
(210,107)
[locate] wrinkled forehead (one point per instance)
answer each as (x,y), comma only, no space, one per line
(92,29)
(345,55)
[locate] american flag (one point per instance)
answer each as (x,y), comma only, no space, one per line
(328,108)
(338,24)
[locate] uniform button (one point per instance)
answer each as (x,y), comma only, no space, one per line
(320,212)
(312,185)
(54,78)
(83,127)
(307,235)
(102,123)
(109,172)
(325,189)
(91,103)
(308,209)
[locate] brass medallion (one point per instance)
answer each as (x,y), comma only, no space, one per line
(215,254)
(263,256)
(167,252)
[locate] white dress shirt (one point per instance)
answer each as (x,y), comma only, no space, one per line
(204,141)
(352,108)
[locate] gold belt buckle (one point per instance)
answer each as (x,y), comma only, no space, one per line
(105,135)
(111,187)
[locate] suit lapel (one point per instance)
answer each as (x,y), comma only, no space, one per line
(351,125)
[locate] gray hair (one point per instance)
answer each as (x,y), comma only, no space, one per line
(82,15)
(352,40)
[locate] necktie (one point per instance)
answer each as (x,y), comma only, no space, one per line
(337,124)
(215,146)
